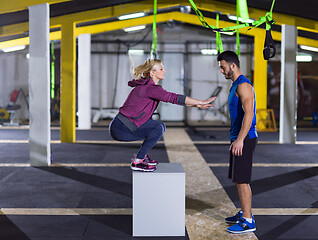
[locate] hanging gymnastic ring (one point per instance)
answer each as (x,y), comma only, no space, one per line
(268,45)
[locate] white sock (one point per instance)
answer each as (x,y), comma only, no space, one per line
(250,220)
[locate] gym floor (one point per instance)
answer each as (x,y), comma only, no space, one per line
(87,192)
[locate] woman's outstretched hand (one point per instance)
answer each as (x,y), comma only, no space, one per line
(203,104)
(206,104)
(209,100)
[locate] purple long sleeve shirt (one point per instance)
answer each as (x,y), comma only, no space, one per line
(143,100)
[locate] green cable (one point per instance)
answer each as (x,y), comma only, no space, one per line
(154,32)
(52,72)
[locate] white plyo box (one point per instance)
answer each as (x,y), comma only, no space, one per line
(159,201)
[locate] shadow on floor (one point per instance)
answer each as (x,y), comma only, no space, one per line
(8,230)
(274,182)
(116,227)
(286,226)
(109,184)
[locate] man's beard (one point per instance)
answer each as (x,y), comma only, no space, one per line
(229,75)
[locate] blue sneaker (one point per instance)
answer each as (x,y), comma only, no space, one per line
(243,226)
(236,218)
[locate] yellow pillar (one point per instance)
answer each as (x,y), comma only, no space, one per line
(260,72)
(260,77)
(68,82)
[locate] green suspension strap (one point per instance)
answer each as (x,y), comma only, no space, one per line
(200,16)
(254,24)
(242,11)
(244,25)
(269,43)
(153,52)
(228,29)
(238,13)
(264,19)
(219,45)
(52,72)
(237,43)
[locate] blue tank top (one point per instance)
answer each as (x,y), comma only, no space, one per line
(237,113)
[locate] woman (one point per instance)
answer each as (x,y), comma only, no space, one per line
(133,122)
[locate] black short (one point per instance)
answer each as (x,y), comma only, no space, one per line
(240,170)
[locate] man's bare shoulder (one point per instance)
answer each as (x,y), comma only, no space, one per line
(244,89)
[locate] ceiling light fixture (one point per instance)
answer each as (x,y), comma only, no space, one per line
(130,16)
(234,18)
(14,48)
(130,29)
(209,51)
(303,58)
(308,48)
(136,52)
(227,33)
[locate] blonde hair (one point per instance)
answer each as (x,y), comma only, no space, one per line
(143,70)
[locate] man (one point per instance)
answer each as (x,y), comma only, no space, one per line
(243,137)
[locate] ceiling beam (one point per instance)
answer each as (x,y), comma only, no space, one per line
(117,10)
(19,5)
(113,11)
(164,17)
(89,16)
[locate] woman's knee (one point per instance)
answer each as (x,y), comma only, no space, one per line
(163,127)
(160,128)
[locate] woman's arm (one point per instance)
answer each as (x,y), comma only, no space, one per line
(203,104)
(158,93)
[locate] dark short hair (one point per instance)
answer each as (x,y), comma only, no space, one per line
(229,57)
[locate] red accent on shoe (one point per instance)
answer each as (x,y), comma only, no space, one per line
(150,161)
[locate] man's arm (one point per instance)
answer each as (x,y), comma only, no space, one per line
(246,94)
